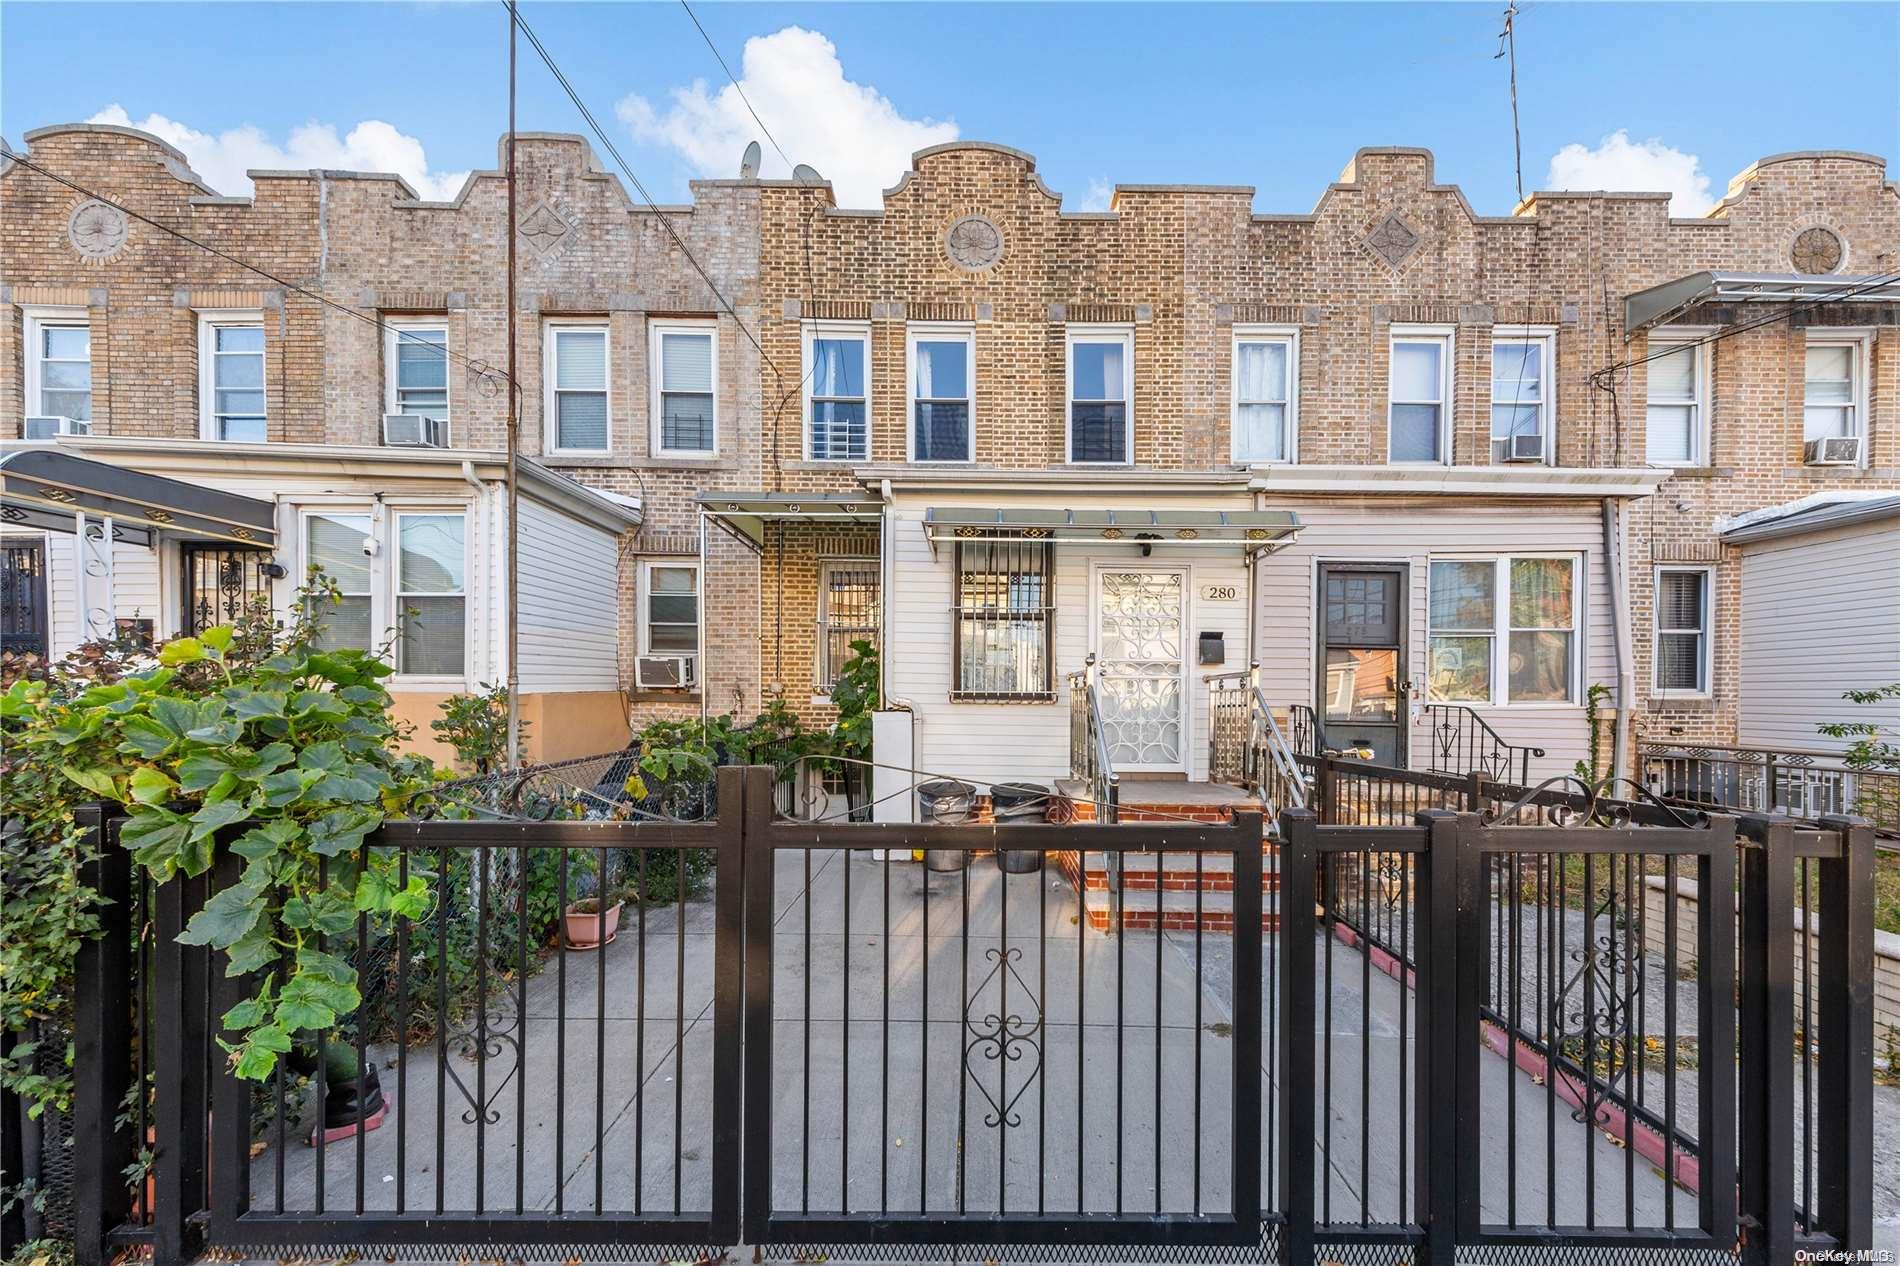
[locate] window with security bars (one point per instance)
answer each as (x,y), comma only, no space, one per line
(837,397)
(1003,622)
(1682,630)
(847,613)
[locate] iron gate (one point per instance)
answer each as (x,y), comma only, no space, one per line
(221,583)
(23,614)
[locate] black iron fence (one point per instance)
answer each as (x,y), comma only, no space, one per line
(790,1034)
(1782,781)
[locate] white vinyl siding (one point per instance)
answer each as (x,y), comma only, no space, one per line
(1265,416)
(570,603)
(1414,535)
(1418,395)
(1820,615)
(139,581)
(1677,415)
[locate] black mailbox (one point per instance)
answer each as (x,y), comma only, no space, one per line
(1213,648)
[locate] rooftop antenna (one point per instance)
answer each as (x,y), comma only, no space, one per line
(1507,47)
(805,174)
(749,165)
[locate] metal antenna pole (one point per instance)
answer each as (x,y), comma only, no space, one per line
(514,435)
(1507,47)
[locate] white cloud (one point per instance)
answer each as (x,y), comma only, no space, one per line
(222,160)
(850,132)
(1618,163)
(1100,196)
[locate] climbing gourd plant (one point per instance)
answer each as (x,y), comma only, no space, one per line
(257,738)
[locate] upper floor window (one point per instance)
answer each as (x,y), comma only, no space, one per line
(1418,392)
(941,360)
(59,368)
(838,392)
(1101,386)
(1682,630)
(1521,397)
(417,358)
(684,358)
(1677,412)
(231,365)
(1520,649)
(1265,397)
(577,388)
(1831,394)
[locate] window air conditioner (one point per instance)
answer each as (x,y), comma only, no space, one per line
(1519,448)
(414,430)
(1832,450)
(51,428)
(664,672)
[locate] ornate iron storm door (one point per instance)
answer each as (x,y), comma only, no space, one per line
(1141,623)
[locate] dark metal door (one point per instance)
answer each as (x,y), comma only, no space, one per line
(221,582)
(1362,681)
(23,618)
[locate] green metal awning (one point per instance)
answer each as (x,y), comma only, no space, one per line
(47,488)
(1674,298)
(1249,531)
(745,514)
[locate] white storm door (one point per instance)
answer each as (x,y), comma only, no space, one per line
(1141,640)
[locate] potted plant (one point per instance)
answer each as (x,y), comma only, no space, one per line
(592,922)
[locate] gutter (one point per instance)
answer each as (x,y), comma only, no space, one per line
(1500,481)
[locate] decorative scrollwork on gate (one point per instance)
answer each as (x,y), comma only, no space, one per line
(1568,800)
(1005,1037)
(487,1038)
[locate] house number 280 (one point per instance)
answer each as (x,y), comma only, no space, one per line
(1219,593)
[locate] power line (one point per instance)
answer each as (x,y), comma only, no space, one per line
(1507,47)
(733,80)
(626,170)
(479,367)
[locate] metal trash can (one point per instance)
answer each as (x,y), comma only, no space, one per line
(946,802)
(1019,804)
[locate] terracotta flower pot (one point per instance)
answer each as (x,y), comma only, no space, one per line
(588,929)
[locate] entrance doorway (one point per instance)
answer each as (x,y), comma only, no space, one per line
(1141,639)
(1362,677)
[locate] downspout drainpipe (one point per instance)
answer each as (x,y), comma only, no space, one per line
(699,663)
(1619,621)
(474,481)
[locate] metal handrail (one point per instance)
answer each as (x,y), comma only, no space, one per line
(1484,749)
(1089,757)
(1266,745)
(1303,716)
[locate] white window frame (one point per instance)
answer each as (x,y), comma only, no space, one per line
(656,392)
(38,318)
(396,594)
(1447,338)
(1857,342)
(209,322)
(938,332)
(1078,334)
(1699,432)
(1705,668)
(1545,338)
(362,509)
(1501,628)
(810,333)
(1289,336)
(647,566)
(551,420)
(393,330)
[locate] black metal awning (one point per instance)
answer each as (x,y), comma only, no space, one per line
(1248,531)
(1673,298)
(745,514)
(47,488)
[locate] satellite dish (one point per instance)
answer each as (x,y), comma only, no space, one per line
(749,165)
(807,175)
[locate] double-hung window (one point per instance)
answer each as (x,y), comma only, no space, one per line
(670,623)
(431,594)
(847,613)
(838,392)
(231,366)
(416,354)
(1418,395)
(1101,392)
(1682,630)
(338,546)
(1502,630)
(1676,415)
(1004,616)
(1521,397)
(1265,404)
(577,403)
(684,357)
(59,369)
(942,365)
(1831,391)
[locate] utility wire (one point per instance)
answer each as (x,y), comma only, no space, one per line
(666,221)
(733,80)
(479,367)
(1507,47)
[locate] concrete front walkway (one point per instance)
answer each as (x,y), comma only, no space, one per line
(1025,1063)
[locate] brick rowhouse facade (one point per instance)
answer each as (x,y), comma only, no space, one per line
(1179,267)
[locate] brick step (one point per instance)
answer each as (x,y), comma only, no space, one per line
(1142,910)
(1176,871)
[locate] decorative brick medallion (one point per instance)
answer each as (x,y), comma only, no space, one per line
(1393,240)
(1816,250)
(974,243)
(96,229)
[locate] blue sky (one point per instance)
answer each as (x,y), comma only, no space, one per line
(1271,95)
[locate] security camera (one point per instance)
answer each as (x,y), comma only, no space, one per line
(369,547)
